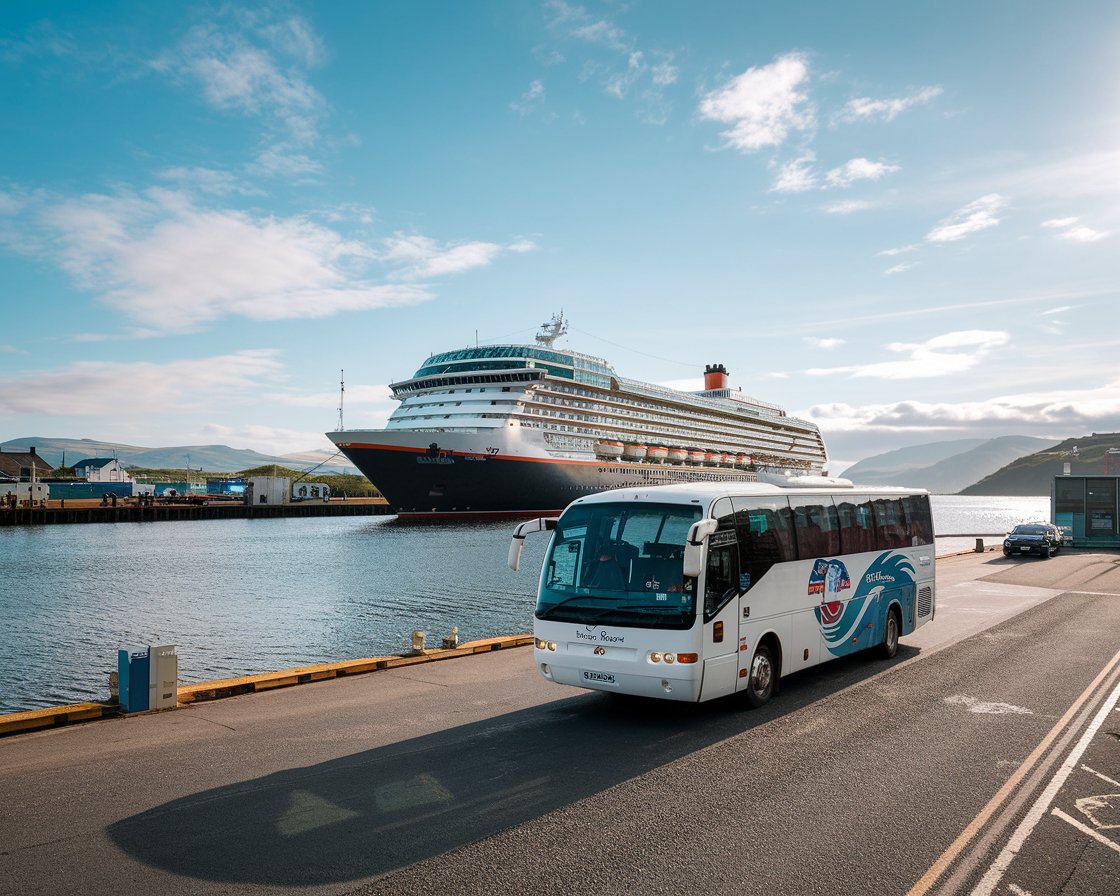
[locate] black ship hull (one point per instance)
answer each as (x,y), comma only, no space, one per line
(440,483)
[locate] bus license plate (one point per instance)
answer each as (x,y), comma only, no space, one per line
(599,677)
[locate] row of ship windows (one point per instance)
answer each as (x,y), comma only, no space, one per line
(690,434)
(717,426)
(644,413)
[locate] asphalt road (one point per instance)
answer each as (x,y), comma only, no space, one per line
(986,754)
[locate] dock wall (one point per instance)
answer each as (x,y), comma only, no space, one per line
(57,513)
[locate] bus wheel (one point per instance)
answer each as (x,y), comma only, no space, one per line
(760,682)
(889,647)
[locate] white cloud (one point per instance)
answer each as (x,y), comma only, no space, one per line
(639,76)
(96,388)
(859,169)
(898,250)
(170,265)
(1070,230)
(763,104)
(823,342)
(864,108)
(972,218)
(796,176)
(1062,309)
(1092,410)
(422,257)
(945,355)
(356,395)
(848,206)
(208,180)
(529,100)
(270,440)
(899,268)
(241,71)
(1083,235)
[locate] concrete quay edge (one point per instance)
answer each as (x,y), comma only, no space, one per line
(58,716)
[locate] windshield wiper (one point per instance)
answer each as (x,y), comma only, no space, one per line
(547,613)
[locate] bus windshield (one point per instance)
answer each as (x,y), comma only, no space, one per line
(619,564)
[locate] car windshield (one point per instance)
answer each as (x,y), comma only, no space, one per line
(1029,530)
(620,564)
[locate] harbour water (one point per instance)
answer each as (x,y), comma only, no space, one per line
(244,596)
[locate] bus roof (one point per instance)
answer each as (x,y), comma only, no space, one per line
(703,494)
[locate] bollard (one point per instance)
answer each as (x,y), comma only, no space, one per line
(452,640)
(417,643)
(979,545)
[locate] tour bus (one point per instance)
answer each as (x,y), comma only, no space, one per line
(701,590)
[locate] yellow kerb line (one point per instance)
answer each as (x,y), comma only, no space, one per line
(938,868)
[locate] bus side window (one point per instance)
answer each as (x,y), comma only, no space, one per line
(765,527)
(919,520)
(889,523)
(857,532)
(721,579)
(818,529)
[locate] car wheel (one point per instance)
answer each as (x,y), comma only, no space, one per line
(1006,553)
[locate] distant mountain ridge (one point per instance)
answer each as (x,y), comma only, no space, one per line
(945,468)
(211,458)
(1034,474)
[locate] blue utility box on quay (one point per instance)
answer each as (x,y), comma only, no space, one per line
(148,679)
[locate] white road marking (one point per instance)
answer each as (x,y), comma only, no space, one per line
(995,873)
(1085,829)
(1092,807)
(995,709)
(1105,778)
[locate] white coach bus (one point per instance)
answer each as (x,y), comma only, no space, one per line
(700,590)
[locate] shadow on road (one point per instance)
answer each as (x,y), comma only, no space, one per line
(380,810)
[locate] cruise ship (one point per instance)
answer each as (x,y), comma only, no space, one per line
(524,430)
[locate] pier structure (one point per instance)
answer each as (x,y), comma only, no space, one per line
(135,510)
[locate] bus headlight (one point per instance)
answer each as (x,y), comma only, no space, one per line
(670,658)
(654,657)
(542,644)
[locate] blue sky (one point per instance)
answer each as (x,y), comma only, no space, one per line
(898,220)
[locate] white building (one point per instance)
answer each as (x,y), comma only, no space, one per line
(101,469)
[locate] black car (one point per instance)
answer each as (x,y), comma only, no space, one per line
(1043,539)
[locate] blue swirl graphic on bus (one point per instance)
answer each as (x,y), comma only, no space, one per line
(842,623)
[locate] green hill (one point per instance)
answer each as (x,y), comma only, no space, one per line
(1034,474)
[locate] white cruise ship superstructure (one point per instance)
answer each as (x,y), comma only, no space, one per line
(527,429)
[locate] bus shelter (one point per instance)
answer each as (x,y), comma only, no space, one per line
(1085,509)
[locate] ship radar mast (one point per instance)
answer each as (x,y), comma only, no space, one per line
(552,330)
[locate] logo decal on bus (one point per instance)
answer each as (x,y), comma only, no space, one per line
(842,622)
(828,579)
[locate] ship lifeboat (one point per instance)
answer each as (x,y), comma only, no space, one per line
(634,452)
(742,460)
(678,455)
(657,452)
(712,457)
(727,460)
(608,448)
(695,456)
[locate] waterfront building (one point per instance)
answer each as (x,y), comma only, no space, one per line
(101,469)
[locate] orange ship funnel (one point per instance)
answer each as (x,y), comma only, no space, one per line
(715,377)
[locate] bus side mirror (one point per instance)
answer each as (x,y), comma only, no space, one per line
(544,524)
(694,546)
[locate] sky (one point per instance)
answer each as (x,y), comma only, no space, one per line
(901,221)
